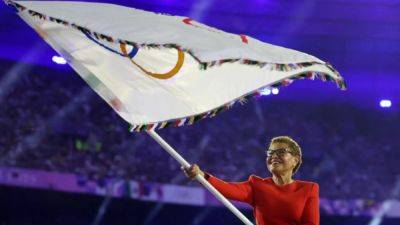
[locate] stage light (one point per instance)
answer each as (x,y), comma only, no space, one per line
(265,91)
(59,60)
(385,103)
(275,91)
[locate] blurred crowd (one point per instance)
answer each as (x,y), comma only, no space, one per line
(59,124)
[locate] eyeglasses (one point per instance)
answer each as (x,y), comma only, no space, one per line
(280,152)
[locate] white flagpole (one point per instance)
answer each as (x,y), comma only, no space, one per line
(199,178)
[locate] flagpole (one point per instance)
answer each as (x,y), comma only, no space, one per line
(199,178)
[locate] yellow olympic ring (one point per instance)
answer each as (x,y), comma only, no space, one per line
(169,74)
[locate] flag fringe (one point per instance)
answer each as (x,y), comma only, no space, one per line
(240,100)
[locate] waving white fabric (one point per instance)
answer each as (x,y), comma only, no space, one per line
(157,70)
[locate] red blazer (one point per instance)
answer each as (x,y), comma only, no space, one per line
(296,203)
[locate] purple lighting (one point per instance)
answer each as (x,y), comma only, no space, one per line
(385,103)
(59,60)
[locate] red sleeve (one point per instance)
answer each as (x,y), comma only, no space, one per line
(239,191)
(311,210)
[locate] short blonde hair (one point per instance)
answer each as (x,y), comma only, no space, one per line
(294,148)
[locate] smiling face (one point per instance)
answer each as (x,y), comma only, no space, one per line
(280,160)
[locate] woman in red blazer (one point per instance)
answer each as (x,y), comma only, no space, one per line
(276,200)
